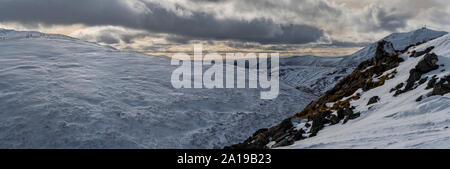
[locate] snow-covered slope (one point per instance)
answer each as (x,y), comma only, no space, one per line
(60,92)
(402,121)
(399,40)
(319,74)
(396,99)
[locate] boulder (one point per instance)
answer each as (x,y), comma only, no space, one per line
(373,100)
(398,87)
(432,82)
(428,63)
(351,117)
(417,54)
(442,87)
(334,120)
(423,80)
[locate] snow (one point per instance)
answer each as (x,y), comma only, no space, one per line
(395,122)
(399,40)
(318,74)
(61,92)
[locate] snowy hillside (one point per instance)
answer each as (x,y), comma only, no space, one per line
(393,100)
(318,74)
(60,92)
(414,119)
(400,41)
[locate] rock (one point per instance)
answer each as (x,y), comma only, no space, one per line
(286,124)
(299,135)
(279,138)
(373,100)
(414,75)
(428,63)
(260,131)
(281,131)
(334,120)
(284,142)
(344,112)
(351,117)
(319,122)
(383,50)
(382,54)
(354,116)
(398,87)
(307,125)
(419,99)
(417,54)
(442,87)
(432,82)
(423,80)
(261,138)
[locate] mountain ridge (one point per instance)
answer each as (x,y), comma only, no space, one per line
(354,96)
(78,94)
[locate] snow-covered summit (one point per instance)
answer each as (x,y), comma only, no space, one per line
(318,74)
(394,100)
(7,34)
(418,117)
(399,40)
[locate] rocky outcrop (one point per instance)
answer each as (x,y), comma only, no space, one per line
(427,64)
(278,133)
(442,87)
(373,100)
(318,113)
(417,54)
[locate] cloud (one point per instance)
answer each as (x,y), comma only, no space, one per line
(110,34)
(375,18)
(153,18)
(171,25)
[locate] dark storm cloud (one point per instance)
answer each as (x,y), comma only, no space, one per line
(158,19)
(376,18)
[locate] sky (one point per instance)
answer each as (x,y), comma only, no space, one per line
(288,27)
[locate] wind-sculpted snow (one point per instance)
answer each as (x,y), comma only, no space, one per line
(65,93)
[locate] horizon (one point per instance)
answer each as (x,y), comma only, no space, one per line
(325,28)
(223,53)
